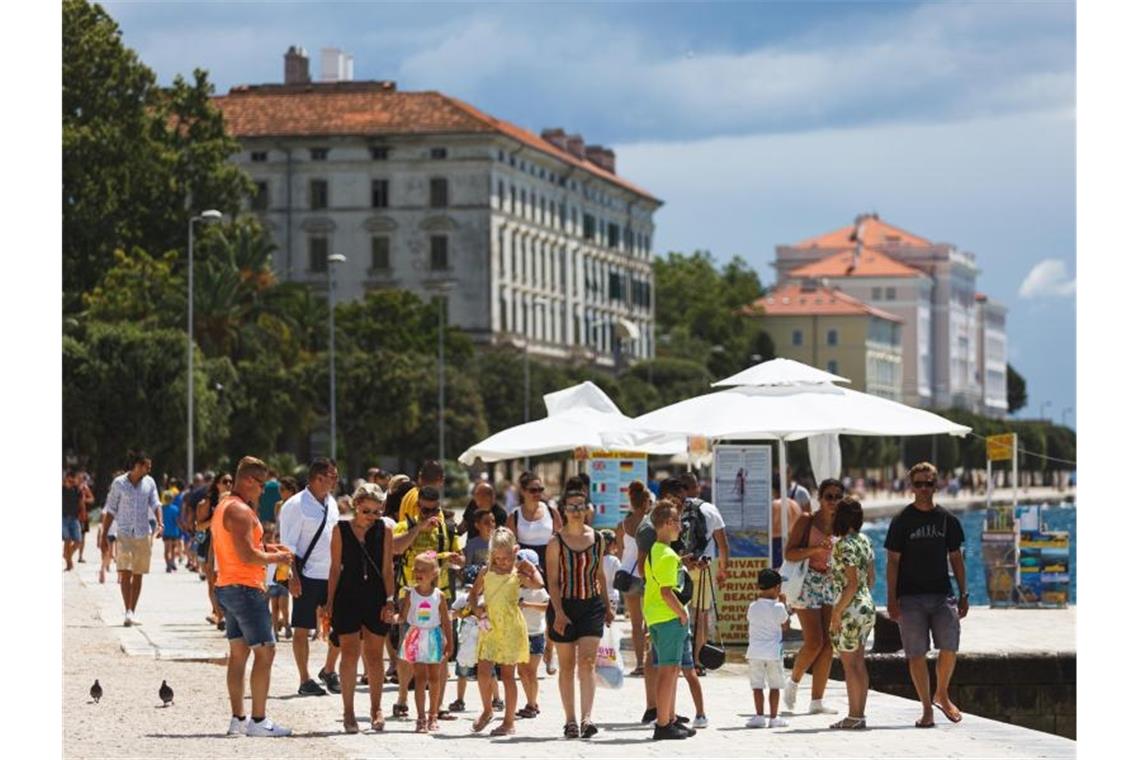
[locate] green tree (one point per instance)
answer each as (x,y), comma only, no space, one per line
(1015,391)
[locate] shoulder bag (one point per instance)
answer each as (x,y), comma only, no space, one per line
(793,572)
(711,655)
(299,562)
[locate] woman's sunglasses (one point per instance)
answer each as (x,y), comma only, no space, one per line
(832,496)
(370,512)
(535,489)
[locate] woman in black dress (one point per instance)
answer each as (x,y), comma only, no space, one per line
(360,589)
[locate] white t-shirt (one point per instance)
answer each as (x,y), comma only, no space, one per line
(535,618)
(610,566)
(765,618)
(713,523)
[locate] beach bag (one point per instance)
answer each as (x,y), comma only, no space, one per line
(623,581)
(468,642)
(793,572)
(608,667)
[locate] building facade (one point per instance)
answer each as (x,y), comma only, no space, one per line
(932,287)
(531,240)
(833,330)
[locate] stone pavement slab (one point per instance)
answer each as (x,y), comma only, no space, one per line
(173,607)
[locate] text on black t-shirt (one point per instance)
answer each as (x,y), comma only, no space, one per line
(924,539)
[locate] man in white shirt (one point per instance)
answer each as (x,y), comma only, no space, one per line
(130,502)
(306,523)
(716,549)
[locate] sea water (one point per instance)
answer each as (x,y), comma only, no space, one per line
(1054,517)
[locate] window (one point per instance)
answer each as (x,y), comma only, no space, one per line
(318,194)
(502,196)
(501,155)
(439,261)
(833,337)
(438,153)
(613,234)
(259,156)
(616,289)
(833,367)
(797,337)
(513,199)
(379,153)
(876,294)
(438,193)
(379,193)
(260,199)
(381,260)
(319,154)
(318,254)
(588,224)
(890,294)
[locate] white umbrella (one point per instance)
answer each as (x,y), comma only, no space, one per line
(577,417)
(780,372)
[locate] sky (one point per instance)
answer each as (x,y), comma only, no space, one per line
(759,124)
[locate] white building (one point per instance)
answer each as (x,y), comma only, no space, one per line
(953,342)
(528,238)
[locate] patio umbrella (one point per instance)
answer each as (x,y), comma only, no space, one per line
(576,417)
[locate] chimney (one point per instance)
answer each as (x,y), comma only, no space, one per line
(555,137)
(296,65)
(336,65)
(601,157)
(576,146)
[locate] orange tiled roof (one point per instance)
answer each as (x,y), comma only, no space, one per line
(790,300)
(871,263)
(876,233)
(370,108)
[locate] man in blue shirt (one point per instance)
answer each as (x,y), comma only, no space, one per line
(132,503)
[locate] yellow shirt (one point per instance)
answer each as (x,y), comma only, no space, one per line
(428,540)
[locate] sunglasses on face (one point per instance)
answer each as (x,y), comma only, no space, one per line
(832,496)
(371,512)
(923,484)
(576,508)
(535,489)
(429,510)
(230,481)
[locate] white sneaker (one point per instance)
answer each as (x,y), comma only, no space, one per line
(700,721)
(266,728)
(135,618)
(777,723)
(790,694)
(819,708)
(127,619)
(757,721)
(238,727)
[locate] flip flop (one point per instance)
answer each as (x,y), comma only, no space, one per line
(920,724)
(482,721)
(949,717)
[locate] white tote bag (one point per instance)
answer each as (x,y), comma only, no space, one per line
(608,666)
(468,641)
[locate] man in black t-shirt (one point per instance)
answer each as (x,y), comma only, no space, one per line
(72,531)
(919,541)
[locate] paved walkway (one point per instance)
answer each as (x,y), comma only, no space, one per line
(175,639)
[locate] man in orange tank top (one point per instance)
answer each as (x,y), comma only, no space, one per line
(241,593)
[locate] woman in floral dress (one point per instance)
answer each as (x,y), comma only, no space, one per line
(853,617)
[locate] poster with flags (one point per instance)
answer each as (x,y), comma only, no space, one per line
(610,473)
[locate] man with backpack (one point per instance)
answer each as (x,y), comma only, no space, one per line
(703,536)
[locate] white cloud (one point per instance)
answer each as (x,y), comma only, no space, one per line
(1048,278)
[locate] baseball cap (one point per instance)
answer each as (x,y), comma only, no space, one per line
(768,578)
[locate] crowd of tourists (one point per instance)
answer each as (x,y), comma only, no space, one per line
(519,580)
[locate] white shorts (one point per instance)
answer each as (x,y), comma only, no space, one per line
(766,674)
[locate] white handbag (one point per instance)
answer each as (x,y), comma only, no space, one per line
(794,571)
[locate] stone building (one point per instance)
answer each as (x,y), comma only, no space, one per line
(529,239)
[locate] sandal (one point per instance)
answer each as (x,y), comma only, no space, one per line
(433,725)
(919,724)
(526,712)
(570,730)
(848,724)
(350,726)
(399,711)
(457,706)
(378,723)
(421,726)
(503,730)
(446,715)
(482,721)
(953,718)
(588,729)
(638,672)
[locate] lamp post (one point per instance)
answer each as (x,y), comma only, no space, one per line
(1045,406)
(440,288)
(209,215)
(335,258)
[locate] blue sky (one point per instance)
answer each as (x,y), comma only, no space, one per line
(758,123)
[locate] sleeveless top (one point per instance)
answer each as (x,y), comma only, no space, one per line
(360,579)
(577,571)
(423,611)
(231,570)
(817,538)
(538,532)
(629,554)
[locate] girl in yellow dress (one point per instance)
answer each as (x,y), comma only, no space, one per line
(503,639)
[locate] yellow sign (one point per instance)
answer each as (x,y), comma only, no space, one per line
(1000,447)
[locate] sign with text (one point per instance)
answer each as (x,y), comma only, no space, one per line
(611,472)
(733,598)
(1000,448)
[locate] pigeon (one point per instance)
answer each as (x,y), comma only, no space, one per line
(166,694)
(96,691)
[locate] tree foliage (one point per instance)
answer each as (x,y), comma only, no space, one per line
(1016,394)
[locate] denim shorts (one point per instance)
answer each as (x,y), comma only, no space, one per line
(927,615)
(277,590)
(686,653)
(71,529)
(247,614)
(537,643)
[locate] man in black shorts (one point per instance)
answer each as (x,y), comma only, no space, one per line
(919,541)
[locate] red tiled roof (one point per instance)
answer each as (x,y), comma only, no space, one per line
(871,263)
(876,233)
(791,300)
(370,108)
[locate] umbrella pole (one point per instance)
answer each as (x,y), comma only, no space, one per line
(783,495)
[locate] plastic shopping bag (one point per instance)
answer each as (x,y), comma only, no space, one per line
(608,667)
(468,641)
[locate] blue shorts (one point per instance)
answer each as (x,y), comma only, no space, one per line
(277,590)
(686,653)
(247,614)
(537,643)
(777,552)
(71,529)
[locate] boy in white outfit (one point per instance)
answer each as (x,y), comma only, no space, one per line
(766,618)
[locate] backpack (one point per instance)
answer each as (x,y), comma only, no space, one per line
(694,537)
(443,540)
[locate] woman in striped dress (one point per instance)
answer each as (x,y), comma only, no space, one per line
(579,608)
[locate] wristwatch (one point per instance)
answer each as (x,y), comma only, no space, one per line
(964,597)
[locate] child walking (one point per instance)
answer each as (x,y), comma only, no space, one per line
(506,643)
(277,583)
(766,617)
(427,641)
(533,602)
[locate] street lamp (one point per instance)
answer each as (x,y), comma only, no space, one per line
(1045,406)
(335,258)
(210,215)
(441,287)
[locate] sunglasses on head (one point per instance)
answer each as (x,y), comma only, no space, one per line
(923,484)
